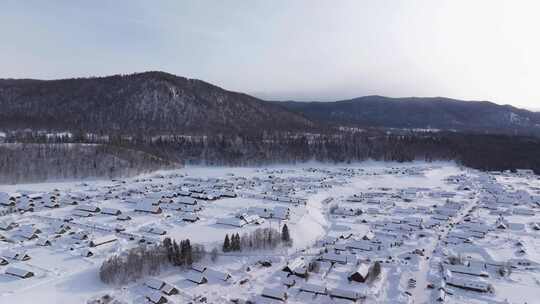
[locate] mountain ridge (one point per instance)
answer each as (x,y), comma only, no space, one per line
(421,112)
(149,102)
(156,102)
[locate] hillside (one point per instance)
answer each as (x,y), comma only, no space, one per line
(424,113)
(146,103)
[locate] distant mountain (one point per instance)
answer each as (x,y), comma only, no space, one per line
(424,113)
(147,103)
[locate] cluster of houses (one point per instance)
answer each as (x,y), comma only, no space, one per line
(296,273)
(383,226)
(158,290)
(200,274)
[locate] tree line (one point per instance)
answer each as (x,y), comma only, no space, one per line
(479,151)
(41,162)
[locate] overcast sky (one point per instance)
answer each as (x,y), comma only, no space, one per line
(287,49)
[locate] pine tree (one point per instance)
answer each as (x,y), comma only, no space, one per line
(226,243)
(237,246)
(177,255)
(169,249)
(269,240)
(188,253)
(233,242)
(285,236)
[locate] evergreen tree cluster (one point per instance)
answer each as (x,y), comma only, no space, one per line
(261,238)
(232,244)
(183,253)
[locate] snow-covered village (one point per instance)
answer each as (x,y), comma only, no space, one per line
(366,233)
(269,152)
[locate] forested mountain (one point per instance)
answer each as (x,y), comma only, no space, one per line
(141,122)
(424,113)
(157,103)
(146,103)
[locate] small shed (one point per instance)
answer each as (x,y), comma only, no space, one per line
(169,289)
(123,217)
(156,298)
(43,242)
(190,217)
(111,211)
(19,272)
(360,274)
(289,281)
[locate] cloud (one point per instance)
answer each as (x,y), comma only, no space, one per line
(309,50)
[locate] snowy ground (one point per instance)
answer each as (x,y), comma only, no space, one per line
(369,212)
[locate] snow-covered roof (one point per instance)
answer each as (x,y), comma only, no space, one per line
(18,272)
(186,200)
(362,269)
(231,221)
(198,267)
(154,296)
(467,270)
(154,283)
(168,288)
(195,277)
(190,217)
(103,240)
(82,213)
(313,288)
(275,293)
(123,217)
(344,293)
(88,208)
(468,284)
(223,276)
(332,257)
(110,211)
(147,207)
